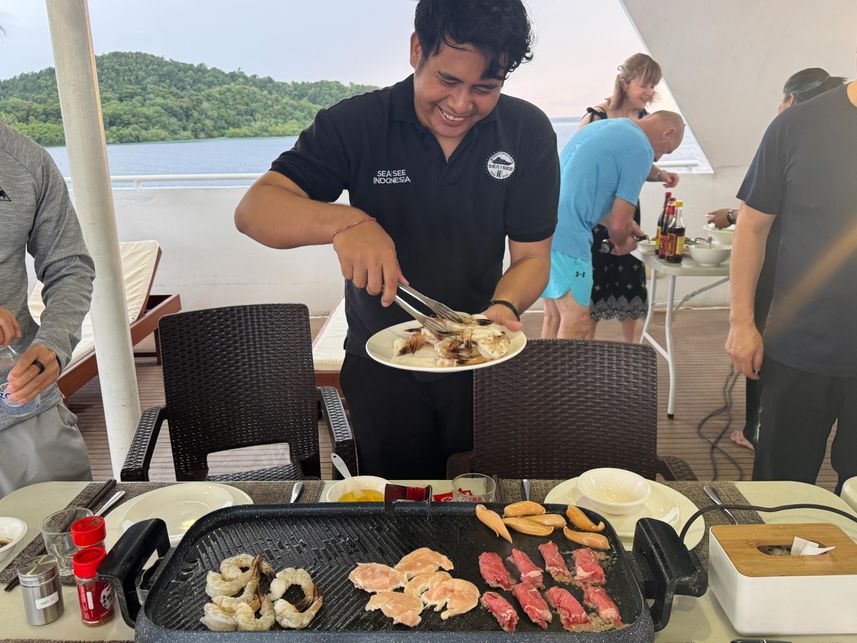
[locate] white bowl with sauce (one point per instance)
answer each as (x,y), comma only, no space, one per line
(614,491)
(357,489)
(12,530)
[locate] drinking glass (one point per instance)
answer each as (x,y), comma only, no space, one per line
(56,532)
(473,487)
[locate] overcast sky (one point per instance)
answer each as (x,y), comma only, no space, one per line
(579,43)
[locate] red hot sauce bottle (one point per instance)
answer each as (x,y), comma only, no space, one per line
(95,594)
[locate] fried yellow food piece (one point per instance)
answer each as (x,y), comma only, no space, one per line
(581,520)
(552,520)
(596,541)
(523,508)
(493,521)
(527,526)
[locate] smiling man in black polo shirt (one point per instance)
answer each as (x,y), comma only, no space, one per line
(440,169)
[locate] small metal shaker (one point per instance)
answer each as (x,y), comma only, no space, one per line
(41,589)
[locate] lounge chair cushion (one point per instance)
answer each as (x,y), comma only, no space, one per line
(328,350)
(139,260)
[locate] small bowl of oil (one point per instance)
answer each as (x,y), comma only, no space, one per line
(357,489)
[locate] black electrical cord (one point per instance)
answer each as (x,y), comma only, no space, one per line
(757,508)
(714,445)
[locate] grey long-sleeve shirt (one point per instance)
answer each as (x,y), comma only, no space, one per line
(36,216)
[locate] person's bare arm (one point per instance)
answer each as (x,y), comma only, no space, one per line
(523,282)
(669,179)
(621,227)
(279,214)
(744,343)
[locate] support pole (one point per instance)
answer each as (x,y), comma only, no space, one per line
(80,102)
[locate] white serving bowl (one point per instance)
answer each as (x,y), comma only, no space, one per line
(709,254)
(341,487)
(646,246)
(614,491)
(13,529)
(723,237)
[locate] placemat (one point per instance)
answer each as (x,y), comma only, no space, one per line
(263,492)
(511,491)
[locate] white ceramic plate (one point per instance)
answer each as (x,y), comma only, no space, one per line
(664,504)
(380,348)
(178,505)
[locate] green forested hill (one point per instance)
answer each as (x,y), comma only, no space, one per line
(147,98)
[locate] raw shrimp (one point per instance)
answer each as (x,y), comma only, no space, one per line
(233,567)
(289,617)
(249,596)
(217,585)
(217,619)
(245,616)
(285,578)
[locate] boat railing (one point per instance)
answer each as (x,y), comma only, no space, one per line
(143,181)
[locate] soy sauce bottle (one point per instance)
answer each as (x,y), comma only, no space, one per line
(663,240)
(667,197)
(676,236)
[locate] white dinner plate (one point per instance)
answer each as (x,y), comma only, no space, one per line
(380,348)
(664,504)
(178,505)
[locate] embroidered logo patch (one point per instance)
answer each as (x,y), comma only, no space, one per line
(385,177)
(500,165)
(3,195)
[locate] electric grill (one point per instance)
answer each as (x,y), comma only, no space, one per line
(329,539)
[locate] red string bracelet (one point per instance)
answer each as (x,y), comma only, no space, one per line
(351,225)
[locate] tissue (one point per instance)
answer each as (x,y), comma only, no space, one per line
(803,547)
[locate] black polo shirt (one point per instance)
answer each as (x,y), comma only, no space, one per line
(448,219)
(803,173)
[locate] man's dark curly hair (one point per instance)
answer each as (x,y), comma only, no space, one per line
(499,29)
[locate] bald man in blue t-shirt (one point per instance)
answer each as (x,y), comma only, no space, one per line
(602,170)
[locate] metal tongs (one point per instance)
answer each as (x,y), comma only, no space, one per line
(441,310)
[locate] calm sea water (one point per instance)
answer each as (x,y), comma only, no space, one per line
(254,155)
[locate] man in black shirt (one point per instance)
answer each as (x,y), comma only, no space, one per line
(803,173)
(441,169)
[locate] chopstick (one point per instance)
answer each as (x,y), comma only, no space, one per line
(106,488)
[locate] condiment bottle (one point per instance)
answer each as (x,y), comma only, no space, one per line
(41,589)
(95,594)
(88,531)
(663,240)
(667,197)
(676,238)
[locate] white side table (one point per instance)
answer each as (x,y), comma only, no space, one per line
(687,268)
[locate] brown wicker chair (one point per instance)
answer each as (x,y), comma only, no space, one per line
(235,377)
(564,406)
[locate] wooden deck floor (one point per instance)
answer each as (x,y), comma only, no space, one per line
(702,371)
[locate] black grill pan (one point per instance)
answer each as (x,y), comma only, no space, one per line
(329,539)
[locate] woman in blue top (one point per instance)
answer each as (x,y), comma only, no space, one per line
(619,282)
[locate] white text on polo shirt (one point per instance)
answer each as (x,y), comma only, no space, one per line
(391,176)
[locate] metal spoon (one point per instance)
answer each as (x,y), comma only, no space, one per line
(340,465)
(712,493)
(107,506)
(296,491)
(525,488)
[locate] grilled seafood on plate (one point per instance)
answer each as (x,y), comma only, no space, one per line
(476,341)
